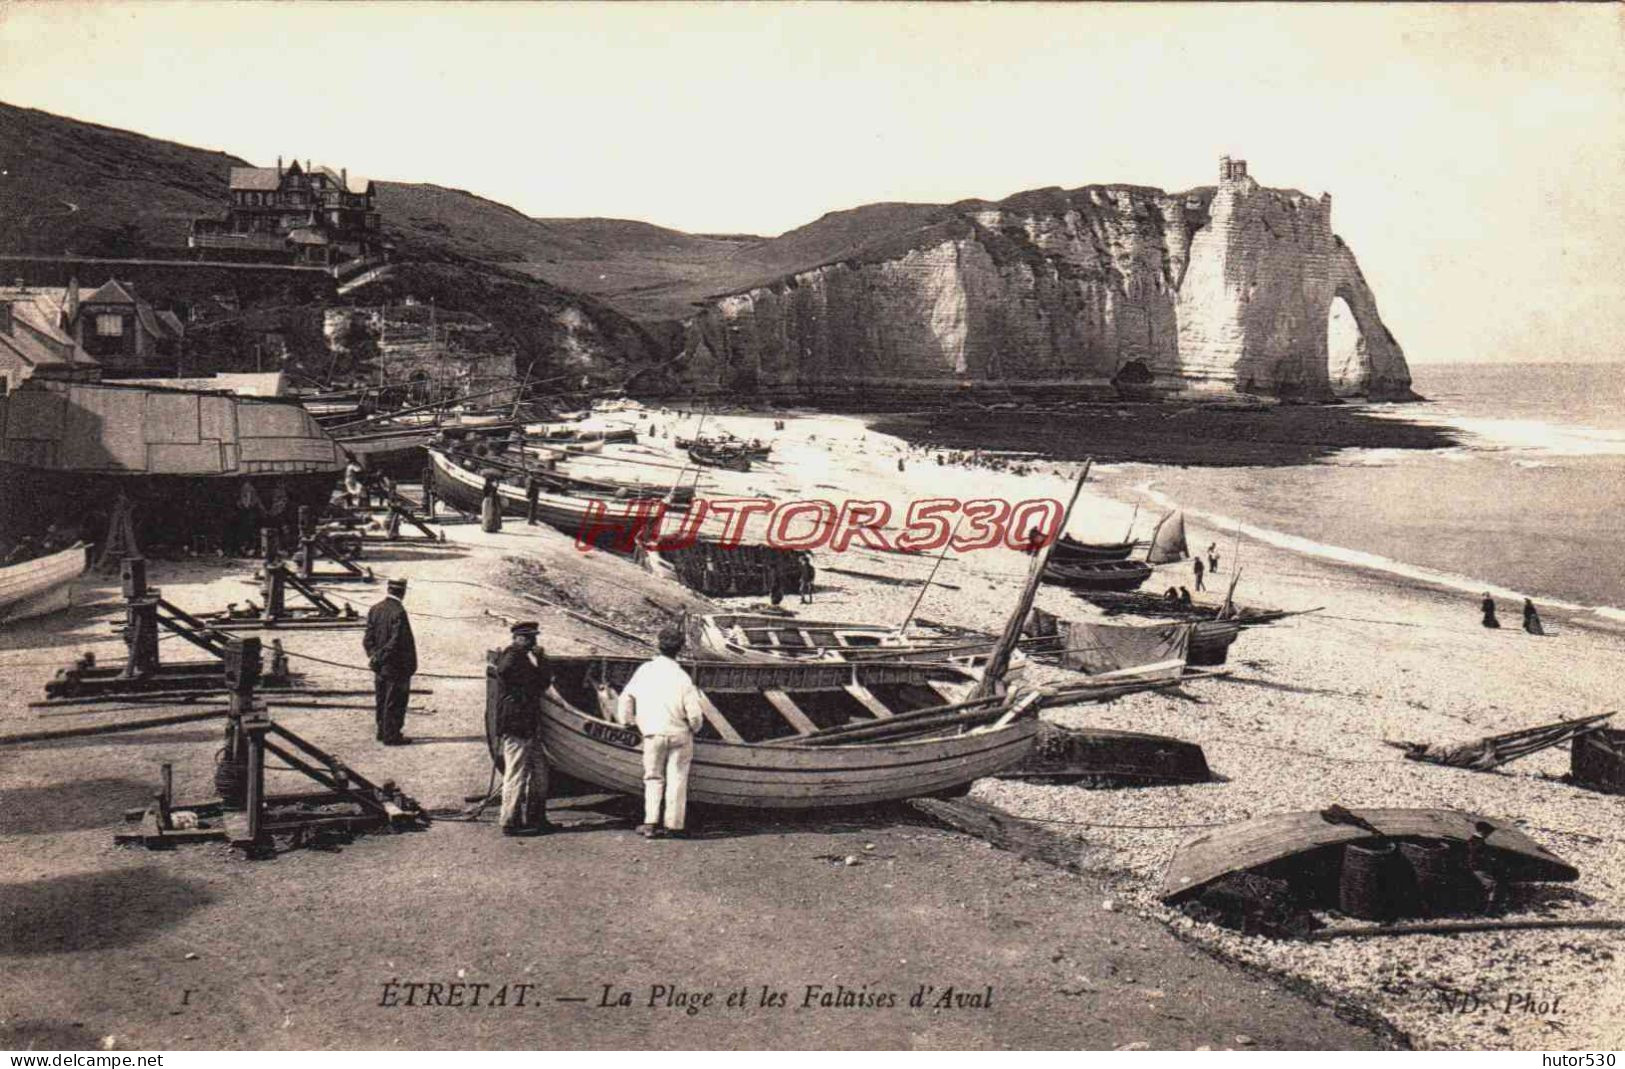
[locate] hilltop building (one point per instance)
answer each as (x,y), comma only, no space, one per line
(300,215)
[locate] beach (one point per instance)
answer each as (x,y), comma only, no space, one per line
(1300,722)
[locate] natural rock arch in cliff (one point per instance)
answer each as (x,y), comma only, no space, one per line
(1348,361)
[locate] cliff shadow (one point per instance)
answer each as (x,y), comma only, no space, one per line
(1194,435)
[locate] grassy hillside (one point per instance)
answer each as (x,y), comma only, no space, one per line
(92,190)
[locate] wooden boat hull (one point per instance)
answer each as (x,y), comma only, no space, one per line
(181,456)
(1098,575)
(402,453)
(1116,757)
(1210,641)
(730,462)
(43,585)
(1069,550)
(465,490)
(1306,838)
(1597,760)
(591,748)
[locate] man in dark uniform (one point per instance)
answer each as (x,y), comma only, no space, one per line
(523,677)
(392,654)
(532,490)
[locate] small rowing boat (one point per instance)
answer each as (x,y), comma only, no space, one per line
(42,585)
(1117,575)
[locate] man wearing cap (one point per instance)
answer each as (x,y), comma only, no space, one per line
(664,703)
(523,677)
(392,654)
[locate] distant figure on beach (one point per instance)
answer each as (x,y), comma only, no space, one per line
(352,483)
(491,505)
(1531,618)
(1196,566)
(805,578)
(775,584)
(1213,558)
(899,463)
(1171,596)
(1185,598)
(1488,605)
(1035,539)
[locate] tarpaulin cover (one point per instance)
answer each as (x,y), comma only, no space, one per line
(1097,648)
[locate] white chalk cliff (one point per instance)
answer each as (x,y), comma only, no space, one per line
(1085,292)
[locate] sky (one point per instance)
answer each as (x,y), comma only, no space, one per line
(1474,152)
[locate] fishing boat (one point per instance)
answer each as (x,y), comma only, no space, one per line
(616,520)
(187,461)
(764,741)
(789,638)
(42,585)
(1309,842)
(786,638)
(1097,575)
(713,457)
(1070,550)
(1210,641)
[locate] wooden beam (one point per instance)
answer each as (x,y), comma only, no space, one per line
(714,717)
(790,711)
(865,698)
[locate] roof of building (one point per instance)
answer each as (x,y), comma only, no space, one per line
(110,292)
(38,310)
(269,179)
(348,183)
(173,322)
(32,351)
(265,178)
(307,235)
(248,384)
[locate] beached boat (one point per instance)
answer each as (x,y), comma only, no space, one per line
(787,638)
(1308,842)
(713,457)
(190,462)
(1097,575)
(1069,550)
(758,745)
(1210,641)
(616,519)
(1105,757)
(42,585)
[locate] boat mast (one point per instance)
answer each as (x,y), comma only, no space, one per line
(999,660)
(912,609)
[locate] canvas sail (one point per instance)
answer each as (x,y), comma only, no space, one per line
(1168,540)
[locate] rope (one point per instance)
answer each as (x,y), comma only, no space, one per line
(1133,827)
(368,670)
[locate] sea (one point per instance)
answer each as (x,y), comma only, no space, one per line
(1529,501)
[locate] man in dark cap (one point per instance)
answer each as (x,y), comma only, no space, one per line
(523,677)
(392,654)
(666,706)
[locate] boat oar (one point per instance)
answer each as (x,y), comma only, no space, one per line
(880,730)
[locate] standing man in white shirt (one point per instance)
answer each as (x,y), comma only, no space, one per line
(664,703)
